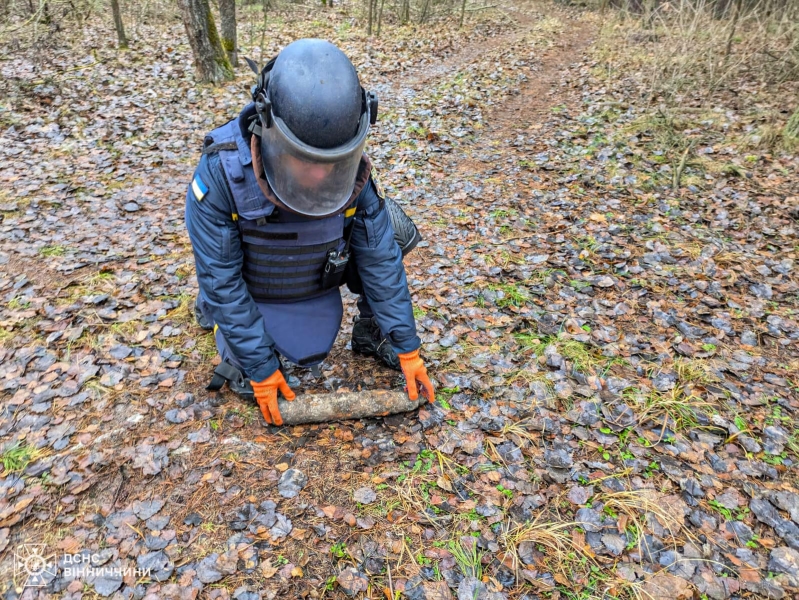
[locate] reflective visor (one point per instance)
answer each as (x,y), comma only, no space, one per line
(311,181)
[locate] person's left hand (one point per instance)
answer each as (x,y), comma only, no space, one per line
(414,370)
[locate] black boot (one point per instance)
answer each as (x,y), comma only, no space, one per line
(201,320)
(239,384)
(367,339)
(227,373)
(242,387)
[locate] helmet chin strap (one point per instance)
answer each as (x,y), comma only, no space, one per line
(259,97)
(263,76)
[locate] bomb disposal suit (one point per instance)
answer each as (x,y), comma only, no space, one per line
(283,210)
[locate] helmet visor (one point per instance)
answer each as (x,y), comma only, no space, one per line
(311,181)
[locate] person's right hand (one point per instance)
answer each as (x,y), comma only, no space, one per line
(414,370)
(266,396)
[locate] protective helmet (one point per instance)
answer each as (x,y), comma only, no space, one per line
(315,117)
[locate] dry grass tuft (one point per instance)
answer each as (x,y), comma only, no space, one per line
(673,409)
(635,503)
(695,370)
(689,47)
(554,536)
(790,133)
(206,346)
(183,313)
(517,429)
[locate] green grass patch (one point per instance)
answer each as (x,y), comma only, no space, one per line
(417,130)
(468,558)
(47,251)
(579,285)
(339,550)
(512,294)
(738,514)
(444,394)
(583,357)
(16,457)
(5,336)
(18,303)
(206,346)
(501,213)
(673,409)
(183,313)
(533,342)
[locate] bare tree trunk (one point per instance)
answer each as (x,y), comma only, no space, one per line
(733,26)
(423,16)
(405,12)
(265,6)
(227,14)
(210,59)
(721,8)
(371,16)
(463,12)
(649,13)
(120,27)
(380,17)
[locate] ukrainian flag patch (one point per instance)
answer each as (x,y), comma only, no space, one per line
(199,188)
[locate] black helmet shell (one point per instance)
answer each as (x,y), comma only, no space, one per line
(315,89)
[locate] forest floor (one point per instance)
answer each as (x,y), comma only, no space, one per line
(615,347)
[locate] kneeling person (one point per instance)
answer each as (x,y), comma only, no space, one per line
(283,210)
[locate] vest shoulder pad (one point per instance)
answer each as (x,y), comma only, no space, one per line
(236,160)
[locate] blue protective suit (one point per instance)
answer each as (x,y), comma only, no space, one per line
(244,328)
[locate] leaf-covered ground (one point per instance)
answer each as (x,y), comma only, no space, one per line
(615,345)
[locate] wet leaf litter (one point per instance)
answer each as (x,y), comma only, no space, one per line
(616,361)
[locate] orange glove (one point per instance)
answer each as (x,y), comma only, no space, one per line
(414,370)
(266,396)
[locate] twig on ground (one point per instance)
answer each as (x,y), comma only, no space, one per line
(681,167)
(119,487)
(390,584)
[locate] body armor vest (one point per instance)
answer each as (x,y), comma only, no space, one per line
(284,254)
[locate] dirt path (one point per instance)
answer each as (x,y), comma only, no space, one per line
(544,89)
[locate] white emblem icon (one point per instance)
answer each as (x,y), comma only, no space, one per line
(31,564)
